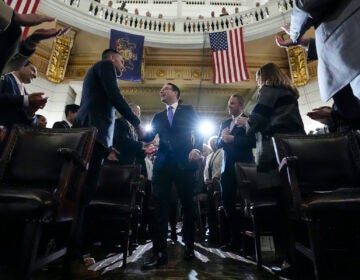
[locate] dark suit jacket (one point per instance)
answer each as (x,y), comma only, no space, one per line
(176,141)
(239,150)
(10,93)
(8,101)
(125,141)
(62,124)
(101,97)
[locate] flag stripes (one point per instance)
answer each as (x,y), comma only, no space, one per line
(24,7)
(228,56)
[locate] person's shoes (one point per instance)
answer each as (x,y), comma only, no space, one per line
(230,247)
(160,259)
(285,270)
(189,253)
(213,239)
(89,261)
(174,236)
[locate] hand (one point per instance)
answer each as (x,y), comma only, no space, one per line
(225,131)
(43,34)
(150,149)
(286,28)
(283,43)
(36,101)
(321,114)
(113,154)
(241,121)
(31,19)
(228,138)
(194,155)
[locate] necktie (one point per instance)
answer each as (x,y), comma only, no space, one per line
(170,114)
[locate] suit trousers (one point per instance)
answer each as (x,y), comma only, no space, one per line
(162,182)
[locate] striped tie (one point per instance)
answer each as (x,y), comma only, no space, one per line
(170,114)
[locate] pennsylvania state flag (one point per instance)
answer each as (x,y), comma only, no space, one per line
(130,46)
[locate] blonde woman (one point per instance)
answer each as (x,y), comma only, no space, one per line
(276,111)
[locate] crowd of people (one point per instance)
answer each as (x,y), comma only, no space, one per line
(172,153)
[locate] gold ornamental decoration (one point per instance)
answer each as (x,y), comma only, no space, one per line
(59,58)
(298,65)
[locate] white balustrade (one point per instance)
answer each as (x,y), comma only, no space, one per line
(170,32)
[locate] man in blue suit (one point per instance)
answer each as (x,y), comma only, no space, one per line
(179,147)
(237,147)
(100,99)
(12,86)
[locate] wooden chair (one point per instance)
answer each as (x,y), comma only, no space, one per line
(110,214)
(201,201)
(321,178)
(41,174)
(138,214)
(260,209)
(216,203)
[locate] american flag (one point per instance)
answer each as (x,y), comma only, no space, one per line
(23,7)
(228,56)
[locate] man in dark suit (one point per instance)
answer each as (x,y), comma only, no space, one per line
(13,84)
(179,147)
(70,115)
(100,99)
(237,147)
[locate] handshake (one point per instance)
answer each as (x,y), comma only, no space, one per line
(36,101)
(149,148)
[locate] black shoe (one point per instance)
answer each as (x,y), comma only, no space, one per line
(286,272)
(159,260)
(230,247)
(189,253)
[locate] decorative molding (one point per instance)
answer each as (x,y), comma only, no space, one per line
(298,65)
(59,57)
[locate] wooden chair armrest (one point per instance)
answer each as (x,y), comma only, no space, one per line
(287,161)
(72,155)
(288,175)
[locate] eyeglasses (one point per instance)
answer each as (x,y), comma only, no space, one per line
(166,88)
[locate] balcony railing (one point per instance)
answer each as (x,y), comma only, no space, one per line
(169,32)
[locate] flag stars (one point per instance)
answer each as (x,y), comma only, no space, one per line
(219,41)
